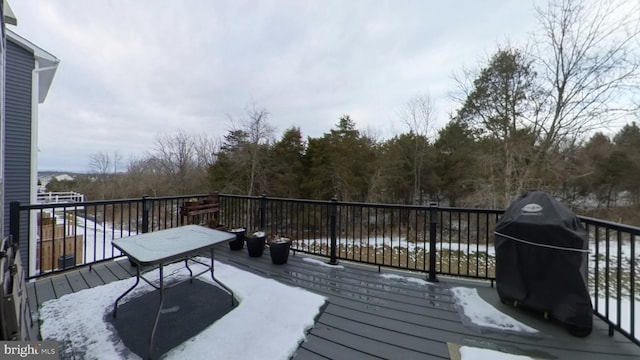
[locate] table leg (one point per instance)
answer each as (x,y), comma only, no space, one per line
(115,305)
(186,264)
(216,280)
(155,323)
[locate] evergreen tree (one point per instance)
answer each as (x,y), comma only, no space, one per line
(405,182)
(456,161)
(229,172)
(340,164)
(627,141)
(499,108)
(286,165)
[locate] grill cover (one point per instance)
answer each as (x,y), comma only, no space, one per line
(542,258)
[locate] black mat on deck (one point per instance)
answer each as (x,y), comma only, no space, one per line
(188,309)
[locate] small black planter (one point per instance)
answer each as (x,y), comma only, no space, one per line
(279,250)
(255,243)
(238,243)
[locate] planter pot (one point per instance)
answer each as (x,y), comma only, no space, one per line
(238,243)
(279,250)
(255,243)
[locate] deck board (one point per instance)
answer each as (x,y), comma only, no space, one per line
(410,346)
(32,298)
(117,270)
(393,306)
(61,286)
(305,354)
(90,276)
(368,345)
(332,350)
(104,273)
(76,281)
(44,291)
(369,316)
(127,266)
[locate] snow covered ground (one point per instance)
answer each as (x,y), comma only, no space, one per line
(79,318)
(97,239)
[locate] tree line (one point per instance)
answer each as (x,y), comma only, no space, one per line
(530,117)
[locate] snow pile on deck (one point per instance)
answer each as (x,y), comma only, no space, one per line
(79,318)
(321,263)
(482,314)
(473,353)
(405,279)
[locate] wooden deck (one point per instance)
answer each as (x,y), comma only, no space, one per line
(371,317)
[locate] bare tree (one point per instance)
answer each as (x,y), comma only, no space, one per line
(250,154)
(99,163)
(143,177)
(176,157)
(588,58)
(260,136)
(583,75)
(206,149)
(105,167)
(418,118)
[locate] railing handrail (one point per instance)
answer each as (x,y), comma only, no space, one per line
(610,224)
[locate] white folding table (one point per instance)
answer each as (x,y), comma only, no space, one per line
(164,247)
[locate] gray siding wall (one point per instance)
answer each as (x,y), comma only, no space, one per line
(17,166)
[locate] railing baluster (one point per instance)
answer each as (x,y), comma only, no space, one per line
(145,214)
(632,290)
(333,215)
(619,279)
(433,215)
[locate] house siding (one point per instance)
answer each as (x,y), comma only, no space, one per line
(17,146)
(2,76)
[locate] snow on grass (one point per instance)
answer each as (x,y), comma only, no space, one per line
(401,243)
(79,318)
(97,239)
(482,314)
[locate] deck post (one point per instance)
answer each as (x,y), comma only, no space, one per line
(145,214)
(433,224)
(333,213)
(263,211)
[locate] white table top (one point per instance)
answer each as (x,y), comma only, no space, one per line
(166,245)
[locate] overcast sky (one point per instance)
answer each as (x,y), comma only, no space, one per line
(131,71)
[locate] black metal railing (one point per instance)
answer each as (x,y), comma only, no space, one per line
(438,241)
(613,274)
(63,236)
(430,239)
(448,241)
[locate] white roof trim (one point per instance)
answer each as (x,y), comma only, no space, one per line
(9,17)
(47,63)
